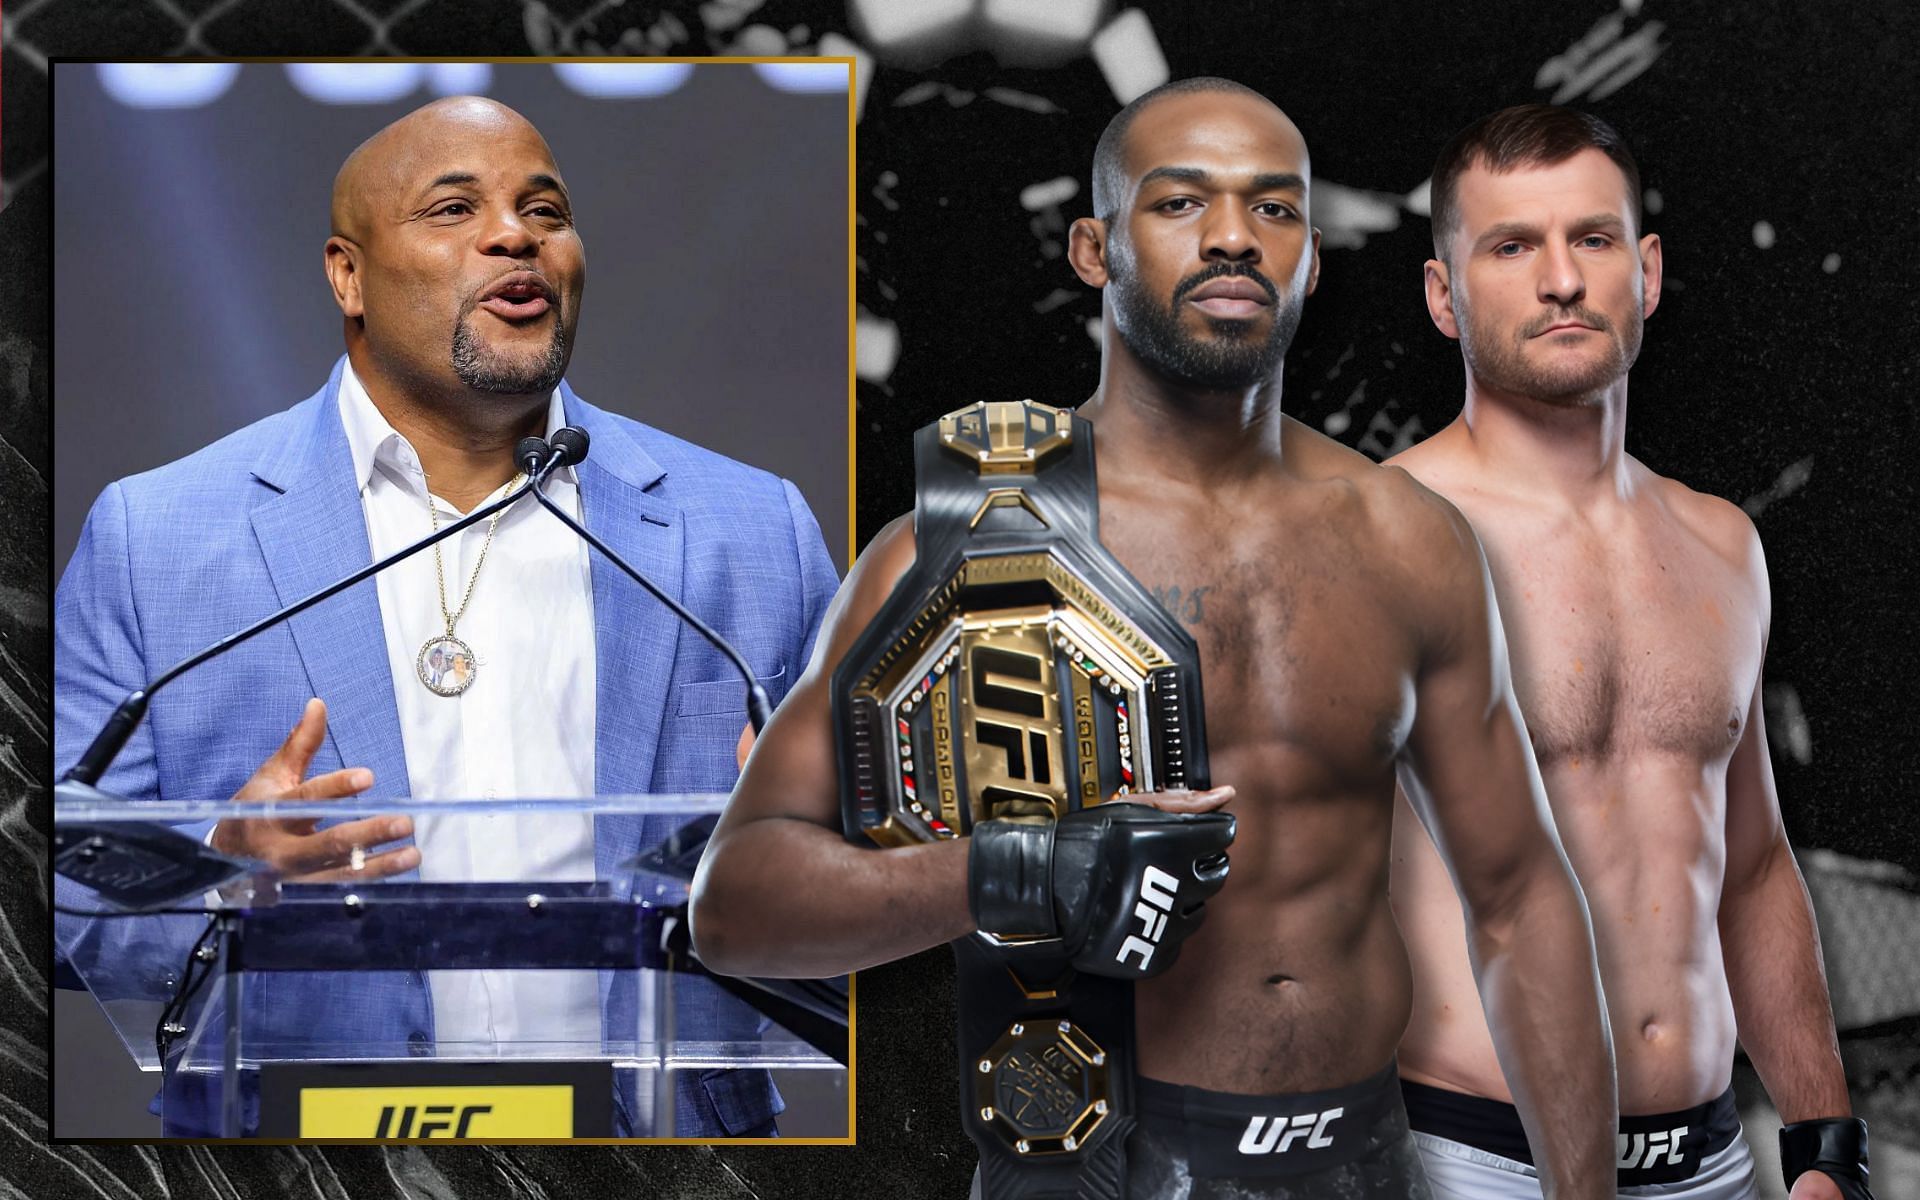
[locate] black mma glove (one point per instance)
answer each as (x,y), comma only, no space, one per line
(1836,1146)
(1120,884)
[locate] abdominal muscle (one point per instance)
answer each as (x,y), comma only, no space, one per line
(1645,838)
(1296,980)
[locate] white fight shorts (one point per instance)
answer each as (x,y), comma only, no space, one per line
(1475,1149)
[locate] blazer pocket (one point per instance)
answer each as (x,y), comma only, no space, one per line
(743,1100)
(716,696)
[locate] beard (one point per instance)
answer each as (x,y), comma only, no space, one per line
(1501,361)
(484,369)
(1232,359)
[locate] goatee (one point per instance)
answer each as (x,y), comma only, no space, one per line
(483,369)
(1234,358)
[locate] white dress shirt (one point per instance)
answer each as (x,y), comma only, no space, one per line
(524,728)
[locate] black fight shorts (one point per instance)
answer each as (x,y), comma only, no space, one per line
(1349,1143)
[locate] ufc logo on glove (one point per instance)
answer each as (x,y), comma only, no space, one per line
(1157,890)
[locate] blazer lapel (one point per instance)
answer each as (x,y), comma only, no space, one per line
(311,534)
(635,636)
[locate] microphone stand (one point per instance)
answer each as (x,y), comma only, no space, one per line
(817,1015)
(108,743)
(77,785)
(570,450)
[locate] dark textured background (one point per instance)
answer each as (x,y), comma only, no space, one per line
(1777,143)
(1766,378)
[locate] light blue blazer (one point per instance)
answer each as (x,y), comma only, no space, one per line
(176,558)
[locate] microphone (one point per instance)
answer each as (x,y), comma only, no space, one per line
(531,453)
(538,460)
(112,738)
(570,444)
(570,447)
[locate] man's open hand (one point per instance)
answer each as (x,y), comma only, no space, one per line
(293,845)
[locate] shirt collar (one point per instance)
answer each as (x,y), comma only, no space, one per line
(372,439)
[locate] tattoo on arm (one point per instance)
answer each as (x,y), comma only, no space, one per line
(1184,605)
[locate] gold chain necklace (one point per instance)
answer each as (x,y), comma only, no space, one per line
(446,664)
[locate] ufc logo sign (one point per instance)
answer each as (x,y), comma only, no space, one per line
(1276,1135)
(1010,707)
(428,1127)
(1157,890)
(1646,1149)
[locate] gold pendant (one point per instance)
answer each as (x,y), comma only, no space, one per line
(446,665)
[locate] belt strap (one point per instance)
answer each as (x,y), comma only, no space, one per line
(1018,669)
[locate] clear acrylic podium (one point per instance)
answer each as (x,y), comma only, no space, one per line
(286,1008)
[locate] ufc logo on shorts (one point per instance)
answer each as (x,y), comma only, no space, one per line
(1276,1135)
(1157,890)
(1645,1149)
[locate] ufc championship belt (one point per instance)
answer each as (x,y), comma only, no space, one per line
(1018,671)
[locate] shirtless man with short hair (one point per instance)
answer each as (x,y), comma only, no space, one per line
(1346,632)
(1636,611)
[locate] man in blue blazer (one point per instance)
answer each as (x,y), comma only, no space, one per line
(459,276)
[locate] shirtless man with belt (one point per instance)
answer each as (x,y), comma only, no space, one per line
(1636,610)
(1346,632)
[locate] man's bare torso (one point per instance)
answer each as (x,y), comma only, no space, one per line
(1296,588)
(1636,635)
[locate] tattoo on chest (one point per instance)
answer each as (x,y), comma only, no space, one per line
(1185,605)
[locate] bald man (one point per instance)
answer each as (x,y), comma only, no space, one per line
(507,663)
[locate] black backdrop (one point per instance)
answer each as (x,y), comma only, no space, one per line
(1778,146)
(1779,136)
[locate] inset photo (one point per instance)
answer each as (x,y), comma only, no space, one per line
(452,471)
